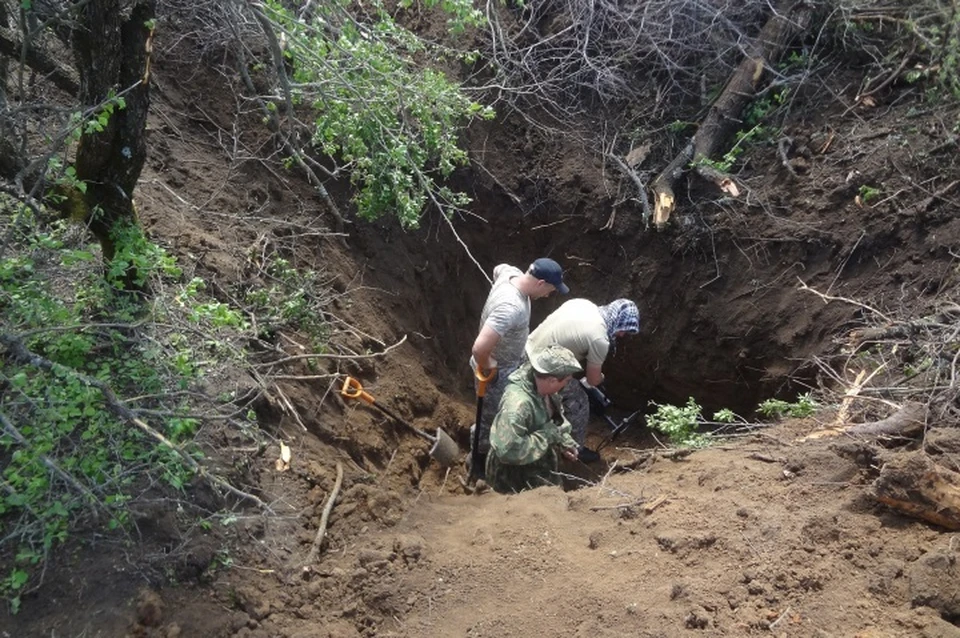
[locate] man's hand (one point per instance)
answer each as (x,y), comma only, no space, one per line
(488,372)
(570,453)
(598,398)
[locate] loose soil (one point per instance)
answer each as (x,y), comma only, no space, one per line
(763,534)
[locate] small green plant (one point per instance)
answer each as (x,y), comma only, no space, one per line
(867,194)
(730,157)
(726,415)
(679,423)
(65,455)
(804,406)
(137,258)
(291,298)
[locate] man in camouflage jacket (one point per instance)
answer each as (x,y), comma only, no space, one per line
(530,429)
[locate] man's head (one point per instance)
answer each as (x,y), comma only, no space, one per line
(548,276)
(621,318)
(552,368)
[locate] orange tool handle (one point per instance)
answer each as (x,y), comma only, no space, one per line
(483,380)
(353,390)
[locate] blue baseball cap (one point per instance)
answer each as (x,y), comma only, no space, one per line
(551,272)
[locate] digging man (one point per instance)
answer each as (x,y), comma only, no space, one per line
(504,327)
(590,332)
(529,431)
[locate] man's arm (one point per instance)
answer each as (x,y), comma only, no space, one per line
(483,346)
(594,375)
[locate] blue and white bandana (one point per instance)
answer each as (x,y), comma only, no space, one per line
(620,315)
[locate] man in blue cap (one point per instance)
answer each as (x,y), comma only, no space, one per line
(504,327)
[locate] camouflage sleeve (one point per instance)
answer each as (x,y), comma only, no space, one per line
(565,435)
(514,438)
(565,431)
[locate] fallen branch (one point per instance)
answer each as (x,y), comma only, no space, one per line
(322,530)
(92,501)
(909,420)
(654,504)
(764,458)
(828,298)
(319,355)
(786,21)
(677,454)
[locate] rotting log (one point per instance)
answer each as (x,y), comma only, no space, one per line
(907,421)
(789,19)
(920,488)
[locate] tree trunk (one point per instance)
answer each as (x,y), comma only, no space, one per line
(723,119)
(922,489)
(112,52)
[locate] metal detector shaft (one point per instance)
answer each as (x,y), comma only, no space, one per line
(617,428)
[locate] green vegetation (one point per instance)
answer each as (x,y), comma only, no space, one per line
(393,123)
(679,423)
(868,193)
(84,359)
(804,406)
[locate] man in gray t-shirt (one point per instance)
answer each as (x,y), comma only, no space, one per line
(504,327)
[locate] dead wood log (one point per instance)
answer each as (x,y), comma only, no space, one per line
(789,19)
(907,421)
(922,489)
(322,529)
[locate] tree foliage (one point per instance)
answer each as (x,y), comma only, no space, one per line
(393,122)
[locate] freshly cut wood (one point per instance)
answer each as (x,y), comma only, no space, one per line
(789,19)
(920,488)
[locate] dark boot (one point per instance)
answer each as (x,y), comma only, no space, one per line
(586,455)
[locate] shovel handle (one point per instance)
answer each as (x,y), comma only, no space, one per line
(482,380)
(353,390)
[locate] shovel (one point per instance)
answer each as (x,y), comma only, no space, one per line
(444,449)
(475,460)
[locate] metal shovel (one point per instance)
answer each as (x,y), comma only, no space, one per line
(444,449)
(476,460)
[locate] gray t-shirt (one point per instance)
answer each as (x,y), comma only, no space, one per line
(577,325)
(507,312)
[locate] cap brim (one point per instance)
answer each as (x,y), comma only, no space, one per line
(562,288)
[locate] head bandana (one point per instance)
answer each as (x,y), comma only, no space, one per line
(620,316)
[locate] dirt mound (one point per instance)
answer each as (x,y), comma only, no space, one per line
(762,536)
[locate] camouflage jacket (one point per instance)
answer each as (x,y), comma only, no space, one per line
(523,431)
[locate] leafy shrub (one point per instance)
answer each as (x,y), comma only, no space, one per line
(804,406)
(679,423)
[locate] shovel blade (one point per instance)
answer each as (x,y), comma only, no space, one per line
(445,449)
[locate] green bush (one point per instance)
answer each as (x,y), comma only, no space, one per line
(679,423)
(804,406)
